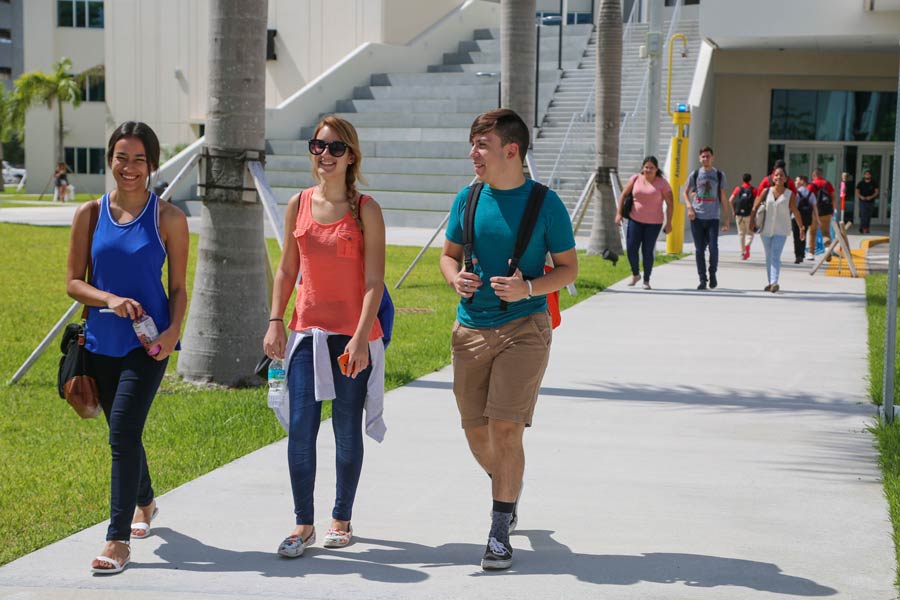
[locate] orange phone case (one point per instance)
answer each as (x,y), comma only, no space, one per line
(344,362)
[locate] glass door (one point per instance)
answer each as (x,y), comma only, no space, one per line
(799,161)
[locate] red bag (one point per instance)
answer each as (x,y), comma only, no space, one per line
(553,303)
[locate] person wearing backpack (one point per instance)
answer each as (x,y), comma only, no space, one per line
(806,206)
(742,204)
(703,195)
(501,338)
(824,194)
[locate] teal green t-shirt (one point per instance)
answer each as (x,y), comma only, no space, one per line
(497,221)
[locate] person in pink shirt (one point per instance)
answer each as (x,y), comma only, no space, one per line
(649,189)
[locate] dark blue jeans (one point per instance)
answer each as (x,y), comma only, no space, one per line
(641,237)
(706,235)
(347,422)
(865,213)
(127,386)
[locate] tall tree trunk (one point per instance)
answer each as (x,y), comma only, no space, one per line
(60,141)
(227,318)
(517,56)
(604,233)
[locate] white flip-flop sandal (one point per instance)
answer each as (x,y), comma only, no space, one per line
(144,528)
(118,567)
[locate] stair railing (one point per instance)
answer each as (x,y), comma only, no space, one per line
(587,112)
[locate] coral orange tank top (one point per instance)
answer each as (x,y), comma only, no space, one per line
(332,267)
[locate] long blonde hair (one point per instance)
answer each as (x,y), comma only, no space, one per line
(347,134)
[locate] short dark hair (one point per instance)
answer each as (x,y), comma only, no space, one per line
(803,178)
(141,131)
(508,125)
(818,172)
(706,149)
(748,177)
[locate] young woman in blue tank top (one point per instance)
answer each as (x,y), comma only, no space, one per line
(134,235)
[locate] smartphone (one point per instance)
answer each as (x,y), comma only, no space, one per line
(344,363)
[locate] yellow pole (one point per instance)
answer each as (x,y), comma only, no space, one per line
(678,151)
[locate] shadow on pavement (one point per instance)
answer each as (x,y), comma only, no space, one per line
(391,561)
(759,401)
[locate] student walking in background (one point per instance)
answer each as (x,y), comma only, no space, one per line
(649,190)
(742,204)
(866,192)
(806,206)
(705,197)
(823,191)
(779,206)
(334,236)
(122,242)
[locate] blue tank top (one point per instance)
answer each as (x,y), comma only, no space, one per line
(126,260)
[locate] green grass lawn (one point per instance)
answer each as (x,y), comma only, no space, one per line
(887,436)
(54,467)
(10,198)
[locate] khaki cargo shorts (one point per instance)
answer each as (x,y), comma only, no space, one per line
(497,371)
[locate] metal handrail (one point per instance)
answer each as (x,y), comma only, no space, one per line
(586,110)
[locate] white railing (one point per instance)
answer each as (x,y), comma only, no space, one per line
(587,112)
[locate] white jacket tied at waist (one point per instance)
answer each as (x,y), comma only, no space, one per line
(324,380)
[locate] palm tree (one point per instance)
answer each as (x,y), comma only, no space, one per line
(12,121)
(517,56)
(59,87)
(227,319)
(604,234)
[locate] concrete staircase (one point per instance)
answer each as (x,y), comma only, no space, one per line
(575,92)
(414,128)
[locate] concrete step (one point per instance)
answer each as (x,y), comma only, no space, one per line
(420,119)
(389,149)
(379,181)
(405,134)
(472,106)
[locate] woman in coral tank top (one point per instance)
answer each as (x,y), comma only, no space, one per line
(334,237)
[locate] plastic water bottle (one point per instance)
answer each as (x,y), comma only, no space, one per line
(146,331)
(276,383)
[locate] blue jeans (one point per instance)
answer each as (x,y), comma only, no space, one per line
(127,386)
(706,235)
(347,422)
(642,237)
(773,245)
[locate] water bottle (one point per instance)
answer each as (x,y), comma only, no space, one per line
(146,331)
(276,383)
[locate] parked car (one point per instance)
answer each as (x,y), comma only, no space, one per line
(12,174)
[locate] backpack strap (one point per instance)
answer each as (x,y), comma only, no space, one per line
(526,229)
(94,216)
(468,230)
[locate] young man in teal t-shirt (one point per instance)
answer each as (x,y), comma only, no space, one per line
(500,353)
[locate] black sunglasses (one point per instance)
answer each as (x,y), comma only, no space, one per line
(336,148)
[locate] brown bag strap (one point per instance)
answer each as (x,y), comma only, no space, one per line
(95,215)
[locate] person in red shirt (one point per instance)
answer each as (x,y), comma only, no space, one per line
(742,204)
(823,192)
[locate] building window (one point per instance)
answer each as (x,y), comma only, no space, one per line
(833,115)
(686,2)
(79,13)
(5,36)
(5,73)
(86,161)
(93,89)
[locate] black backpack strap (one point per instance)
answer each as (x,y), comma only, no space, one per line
(468,232)
(526,228)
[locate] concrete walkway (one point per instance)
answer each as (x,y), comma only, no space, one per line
(707,445)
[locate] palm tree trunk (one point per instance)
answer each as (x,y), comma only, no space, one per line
(227,319)
(517,56)
(60,145)
(604,233)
